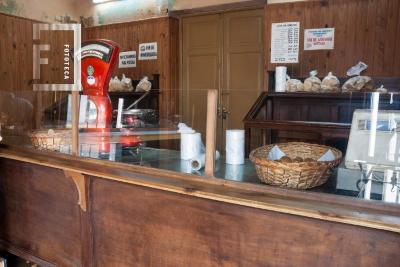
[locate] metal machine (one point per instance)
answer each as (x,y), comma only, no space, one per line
(98,60)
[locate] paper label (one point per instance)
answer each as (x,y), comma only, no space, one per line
(127,59)
(91,80)
(148,51)
(285,42)
(319,39)
(83,103)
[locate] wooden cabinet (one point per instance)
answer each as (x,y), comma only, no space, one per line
(323,118)
(122,217)
(40,218)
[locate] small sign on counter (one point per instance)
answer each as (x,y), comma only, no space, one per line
(127,59)
(319,39)
(148,51)
(285,42)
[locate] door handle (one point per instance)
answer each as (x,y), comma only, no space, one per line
(223,113)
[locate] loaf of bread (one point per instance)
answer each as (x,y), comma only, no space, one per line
(330,84)
(312,83)
(358,84)
(294,85)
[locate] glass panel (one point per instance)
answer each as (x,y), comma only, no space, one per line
(146,128)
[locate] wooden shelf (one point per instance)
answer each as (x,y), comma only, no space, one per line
(153,91)
(350,95)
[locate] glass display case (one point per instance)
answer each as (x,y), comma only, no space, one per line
(369,168)
(363,125)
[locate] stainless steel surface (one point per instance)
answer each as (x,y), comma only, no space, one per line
(138,118)
(138,112)
(134,104)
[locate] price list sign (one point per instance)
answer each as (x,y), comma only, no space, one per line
(285,42)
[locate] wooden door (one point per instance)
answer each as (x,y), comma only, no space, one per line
(201,66)
(224,52)
(243,70)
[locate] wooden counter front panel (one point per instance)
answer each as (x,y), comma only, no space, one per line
(137,226)
(39,213)
(129,225)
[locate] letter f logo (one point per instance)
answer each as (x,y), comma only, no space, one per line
(37,48)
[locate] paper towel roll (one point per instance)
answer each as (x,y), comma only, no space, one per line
(280,79)
(234,147)
(199,162)
(234,172)
(190,145)
(185,166)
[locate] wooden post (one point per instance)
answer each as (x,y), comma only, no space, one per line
(75,123)
(212,102)
(39,108)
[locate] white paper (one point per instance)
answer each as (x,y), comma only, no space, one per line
(234,172)
(69,112)
(191,145)
(127,59)
(82,111)
(185,166)
(183,128)
(275,153)
(234,147)
(148,51)
(285,42)
(119,114)
(280,79)
(319,39)
(328,156)
(199,162)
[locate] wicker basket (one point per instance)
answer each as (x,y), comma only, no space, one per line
(300,175)
(52,140)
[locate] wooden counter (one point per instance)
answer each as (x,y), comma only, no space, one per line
(58,210)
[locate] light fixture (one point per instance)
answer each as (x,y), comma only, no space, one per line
(102,1)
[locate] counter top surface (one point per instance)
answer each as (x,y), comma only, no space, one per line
(162,175)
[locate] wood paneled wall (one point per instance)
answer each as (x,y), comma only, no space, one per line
(16,66)
(366,30)
(129,35)
(16,48)
(16,54)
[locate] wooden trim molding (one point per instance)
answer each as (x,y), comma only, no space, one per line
(372,214)
(219,8)
(21,17)
(79,180)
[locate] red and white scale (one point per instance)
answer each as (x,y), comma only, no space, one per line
(98,60)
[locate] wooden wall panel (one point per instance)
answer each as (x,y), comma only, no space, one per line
(15,53)
(129,35)
(16,66)
(138,226)
(39,215)
(130,225)
(366,30)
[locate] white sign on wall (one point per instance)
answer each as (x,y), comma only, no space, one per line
(319,39)
(148,51)
(285,42)
(127,59)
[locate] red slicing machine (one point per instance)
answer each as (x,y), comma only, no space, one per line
(98,59)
